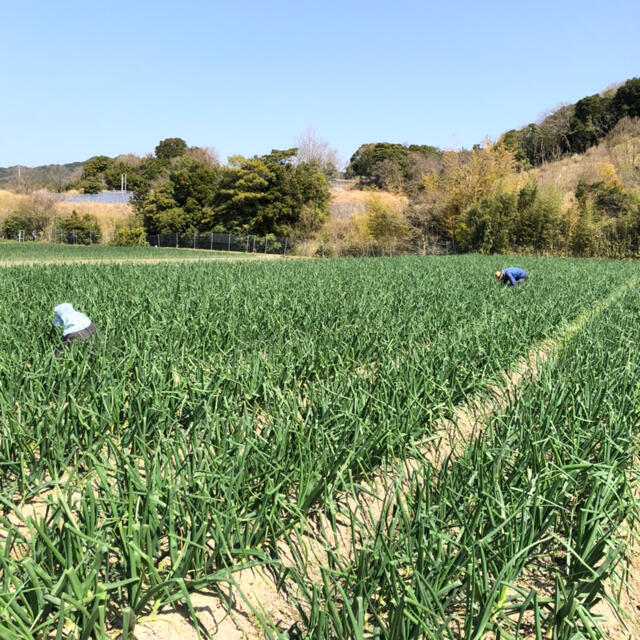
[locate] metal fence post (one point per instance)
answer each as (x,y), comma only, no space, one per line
(284,253)
(194,240)
(247,249)
(229,243)
(254,244)
(265,244)
(177,243)
(158,245)
(211,241)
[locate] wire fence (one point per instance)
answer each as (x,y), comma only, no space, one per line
(249,243)
(338,248)
(268,244)
(222,242)
(61,236)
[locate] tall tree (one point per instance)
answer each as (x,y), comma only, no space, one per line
(313,149)
(267,194)
(626,102)
(170,148)
(388,165)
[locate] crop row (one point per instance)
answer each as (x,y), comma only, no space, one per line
(519,536)
(224,402)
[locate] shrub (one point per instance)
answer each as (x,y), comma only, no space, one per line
(32,216)
(78,229)
(91,184)
(129,235)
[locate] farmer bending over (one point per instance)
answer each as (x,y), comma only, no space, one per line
(76,325)
(512,276)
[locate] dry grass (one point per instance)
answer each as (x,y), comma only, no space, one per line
(348,226)
(564,175)
(617,157)
(347,203)
(108,214)
(8,202)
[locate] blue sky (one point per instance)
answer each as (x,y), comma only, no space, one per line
(85,78)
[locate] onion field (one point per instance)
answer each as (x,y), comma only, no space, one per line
(230,416)
(12,252)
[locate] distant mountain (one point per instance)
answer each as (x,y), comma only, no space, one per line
(51,176)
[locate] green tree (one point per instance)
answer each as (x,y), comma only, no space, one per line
(181,201)
(95,166)
(592,119)
(263,194)
(487,225)
(113,175)
(170,148)
(76,229)
(388,165)
(159,210)
(91,184)
(607,198)
(512,140)
(537,226)
(33,215)
(267,194)
(130,234)
(92,177)
(626,102)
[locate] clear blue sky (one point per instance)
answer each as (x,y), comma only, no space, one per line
(87,78)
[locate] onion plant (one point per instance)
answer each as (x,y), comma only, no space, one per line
(224,403)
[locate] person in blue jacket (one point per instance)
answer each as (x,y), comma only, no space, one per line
(76,325)
(512,276)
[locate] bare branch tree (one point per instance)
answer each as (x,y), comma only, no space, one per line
(206,155)
(312,148)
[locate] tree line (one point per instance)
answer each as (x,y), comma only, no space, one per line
(185,189)
(484,199)
(574,128)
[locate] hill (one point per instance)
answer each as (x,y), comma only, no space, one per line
(615,157)
(568,184)
(489,200)
(53,176)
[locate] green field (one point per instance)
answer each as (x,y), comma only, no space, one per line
(225,407)
(11,251)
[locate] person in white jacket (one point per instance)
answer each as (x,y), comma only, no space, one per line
(76,325)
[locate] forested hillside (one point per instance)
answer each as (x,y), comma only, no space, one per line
(567,185)
(56,177)
(576,127)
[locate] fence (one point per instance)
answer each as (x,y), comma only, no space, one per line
(212,241)
(252,243)
(221,242)
(338,248)
(70,236)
